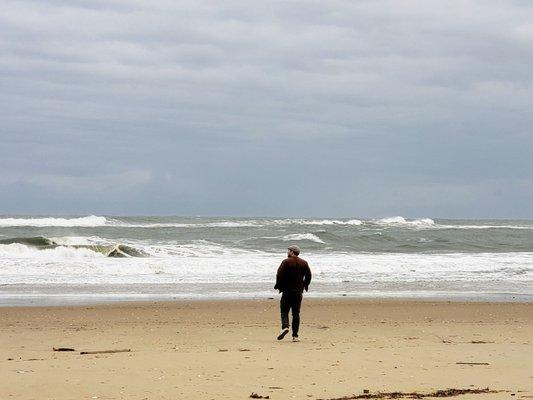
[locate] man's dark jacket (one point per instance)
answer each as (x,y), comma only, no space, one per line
(294,275)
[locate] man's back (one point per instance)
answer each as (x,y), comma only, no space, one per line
(294,275)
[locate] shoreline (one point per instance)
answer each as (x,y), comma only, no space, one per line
(227,349)
(86,299)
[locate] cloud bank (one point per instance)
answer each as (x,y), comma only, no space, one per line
(366,108)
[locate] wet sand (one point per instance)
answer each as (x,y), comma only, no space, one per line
(227,350)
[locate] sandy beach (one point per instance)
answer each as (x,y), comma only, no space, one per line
(227,350)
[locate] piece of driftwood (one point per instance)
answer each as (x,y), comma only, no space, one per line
(472,363)
(63,349)
(105,351)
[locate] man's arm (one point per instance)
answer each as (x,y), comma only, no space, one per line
(280,277)
(307,277)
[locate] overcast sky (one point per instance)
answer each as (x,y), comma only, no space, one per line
(304,108)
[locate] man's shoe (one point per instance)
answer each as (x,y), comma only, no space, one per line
(283,333)
(295,339)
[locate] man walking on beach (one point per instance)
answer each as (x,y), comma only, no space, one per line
(294,275)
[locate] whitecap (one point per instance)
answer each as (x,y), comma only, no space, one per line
(221,224)
(89,221)
(354,222)
(290,221)
(77,240)
(18,251)
(518,227)
(401,221)
(303,236)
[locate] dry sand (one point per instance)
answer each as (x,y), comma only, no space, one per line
(227,350)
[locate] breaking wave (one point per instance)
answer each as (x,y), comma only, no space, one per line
(221,224)
(355,222)
(89,221)
(38,241)
(402,222)
(22,251)
(244,223)
(303,236)
(64,247)
(93,221)
(466,227)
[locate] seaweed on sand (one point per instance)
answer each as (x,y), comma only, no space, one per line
(416,395)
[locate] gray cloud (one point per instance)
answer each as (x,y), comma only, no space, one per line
(282,108)
(81,185)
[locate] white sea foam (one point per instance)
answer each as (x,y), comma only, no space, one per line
(354,222)
(518,227)
(89,221)
(287,238)
(332,222)
(322,222)
(302,236)
(78,240)
(401,221)
(96,221)
(243,224)
(246,257)
(232,224)
(292,221)
(430,224)
(205,262)
(100,221)
(398,222)
(21,251)
(220,224)
(196,249)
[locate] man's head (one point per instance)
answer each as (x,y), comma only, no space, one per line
(293,251)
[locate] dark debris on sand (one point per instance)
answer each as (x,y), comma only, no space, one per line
(416,395)
(257,396)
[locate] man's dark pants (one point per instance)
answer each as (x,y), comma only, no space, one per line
(290,301)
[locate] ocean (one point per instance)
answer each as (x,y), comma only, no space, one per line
(63,260)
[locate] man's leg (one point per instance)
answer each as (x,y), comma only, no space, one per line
(284,306)
(295,305)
